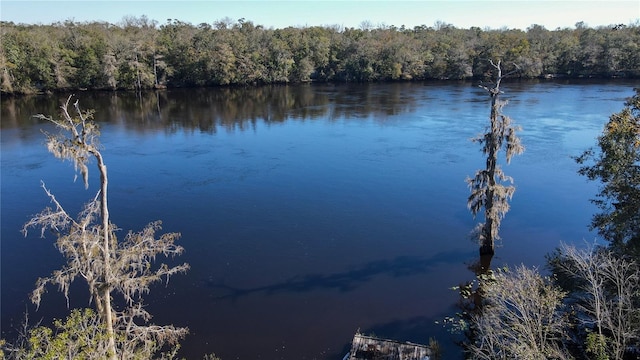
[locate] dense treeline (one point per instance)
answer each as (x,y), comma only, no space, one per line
(138,53)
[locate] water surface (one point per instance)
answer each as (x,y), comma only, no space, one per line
(307,212)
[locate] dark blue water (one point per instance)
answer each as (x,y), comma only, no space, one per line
(307,212)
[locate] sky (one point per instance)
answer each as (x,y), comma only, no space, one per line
(494,14)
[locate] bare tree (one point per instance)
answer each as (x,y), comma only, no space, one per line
(521,318)
(95,255)
(607,297)
(488,190)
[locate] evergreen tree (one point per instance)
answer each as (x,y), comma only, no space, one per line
(617,167)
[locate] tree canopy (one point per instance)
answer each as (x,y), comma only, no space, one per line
(617,167)
(139,53)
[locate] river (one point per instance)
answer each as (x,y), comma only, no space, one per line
(307,212)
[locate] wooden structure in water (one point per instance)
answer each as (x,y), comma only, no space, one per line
(373,348)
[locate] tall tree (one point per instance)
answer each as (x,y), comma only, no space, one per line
(617,167)
(488,189)
(94,254)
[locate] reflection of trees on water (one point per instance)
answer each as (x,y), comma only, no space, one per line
(229,108)
(19,111)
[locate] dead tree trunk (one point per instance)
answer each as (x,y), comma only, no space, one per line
(103,299)
(94,253)
(487,189)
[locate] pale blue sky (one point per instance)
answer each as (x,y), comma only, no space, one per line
(348,13)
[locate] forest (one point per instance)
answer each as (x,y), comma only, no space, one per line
(588,308)
(139,53)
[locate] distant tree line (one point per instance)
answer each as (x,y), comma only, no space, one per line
(139,53)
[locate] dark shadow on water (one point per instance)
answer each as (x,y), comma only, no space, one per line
(344,281)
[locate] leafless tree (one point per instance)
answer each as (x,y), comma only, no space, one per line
(608,295)
(521,318)
(94,254)
(488,190)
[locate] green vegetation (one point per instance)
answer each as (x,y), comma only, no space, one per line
(138,53)
(588,308)
(81,336)
(617,167)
